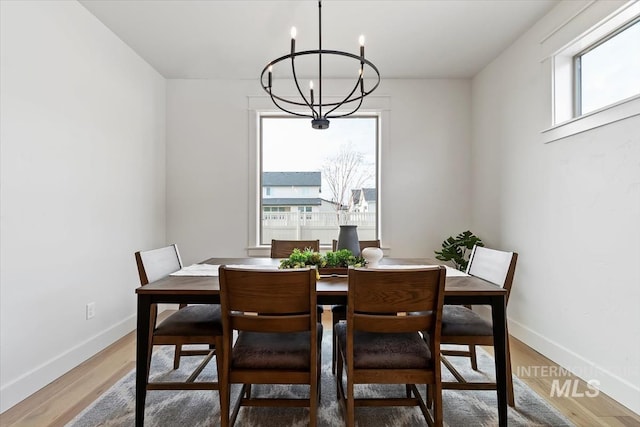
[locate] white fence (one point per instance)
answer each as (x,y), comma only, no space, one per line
(315,225)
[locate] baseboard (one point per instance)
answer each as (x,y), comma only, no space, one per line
(32,381)
(614,386)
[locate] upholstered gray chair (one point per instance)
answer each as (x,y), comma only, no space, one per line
(278,340)
(380,344)
(191,324)
(462,326)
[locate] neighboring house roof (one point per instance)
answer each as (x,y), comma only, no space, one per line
(288,179)
(370,194)
(291,201)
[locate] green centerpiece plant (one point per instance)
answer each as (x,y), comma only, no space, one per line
(458,249)
(307,257)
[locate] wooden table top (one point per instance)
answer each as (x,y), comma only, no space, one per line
(208,285)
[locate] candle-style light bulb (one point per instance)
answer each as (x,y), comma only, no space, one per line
(361,40)
(270,71)
(311,90)
(293,39)
(311,84)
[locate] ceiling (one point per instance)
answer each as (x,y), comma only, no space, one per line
(211,39)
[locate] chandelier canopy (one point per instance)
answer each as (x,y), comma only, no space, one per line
(308,105)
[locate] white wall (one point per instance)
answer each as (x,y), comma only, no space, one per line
(208,172)
(571,208)
(82,173)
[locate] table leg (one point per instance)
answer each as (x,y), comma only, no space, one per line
(142,347)
(498,313)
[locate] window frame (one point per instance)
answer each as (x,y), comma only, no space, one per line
(591,28)
(258,105)
(258,162)
(577,67)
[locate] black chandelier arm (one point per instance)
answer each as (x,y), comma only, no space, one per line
(347,99)
(295,79)
(315,52)
(273,99)
(335,116)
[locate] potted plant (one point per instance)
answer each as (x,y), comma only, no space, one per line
(331,263)
(457,250)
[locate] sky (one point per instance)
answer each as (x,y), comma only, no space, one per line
(610,71)
(292,145)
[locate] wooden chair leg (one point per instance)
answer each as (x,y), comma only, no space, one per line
(224,391)
(176,356)
(178,353)
(334,344)
(152,322)
(473,357)
(510,396)
(437,404)
(313,405)
(351,404)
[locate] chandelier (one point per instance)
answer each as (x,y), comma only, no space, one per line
(315,108)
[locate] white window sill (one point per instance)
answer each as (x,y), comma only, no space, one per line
(624,109)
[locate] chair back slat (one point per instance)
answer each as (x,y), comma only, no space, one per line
(493,266)
(268,291)
(394,323)
(253,323)
(378,291)
(283,248)
(273,297)
(157,263)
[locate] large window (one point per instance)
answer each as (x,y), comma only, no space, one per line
(609,70)
(318,179)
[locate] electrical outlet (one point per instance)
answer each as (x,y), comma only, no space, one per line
(91,310)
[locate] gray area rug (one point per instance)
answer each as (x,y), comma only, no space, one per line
(116,407)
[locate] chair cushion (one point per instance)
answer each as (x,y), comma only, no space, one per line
(200,320)
(459,320)
(386,351)
(271,350)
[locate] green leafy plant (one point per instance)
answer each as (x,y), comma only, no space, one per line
(458,249)
(307,257)
(343,258)
(300,259)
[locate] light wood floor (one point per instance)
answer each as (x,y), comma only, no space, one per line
(61,400)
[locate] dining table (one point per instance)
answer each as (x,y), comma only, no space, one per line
(460,289)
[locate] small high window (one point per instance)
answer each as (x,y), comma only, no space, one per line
(595,78)
(608,71)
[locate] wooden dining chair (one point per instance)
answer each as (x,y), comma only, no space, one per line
(191,324)
(278,340)
(380,344)
(462,326)
(283,248)
(339,311)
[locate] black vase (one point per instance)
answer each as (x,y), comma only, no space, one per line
(348,239)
